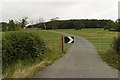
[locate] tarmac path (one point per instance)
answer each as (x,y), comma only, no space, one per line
(81,61)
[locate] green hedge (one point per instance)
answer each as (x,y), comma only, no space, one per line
(116,49)
(116,45)
(21,45)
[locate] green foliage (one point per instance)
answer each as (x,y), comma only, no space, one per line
(14,25)
(117,22)
(111,26)
(27,68)
(74,24)
(24,22)
(4,26)
(79,26)
(112,59)
(116,45)
(55,24)
(21,45)
(11,25)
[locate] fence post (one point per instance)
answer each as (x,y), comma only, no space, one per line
(62,40)
(99,44)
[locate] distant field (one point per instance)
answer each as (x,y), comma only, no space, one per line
(102,39)
(91,32)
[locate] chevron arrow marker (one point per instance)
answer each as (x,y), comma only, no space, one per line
(71,40)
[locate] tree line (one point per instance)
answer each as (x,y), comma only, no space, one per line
(14,25)
(76,24)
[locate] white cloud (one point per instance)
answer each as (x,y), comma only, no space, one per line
(65,9)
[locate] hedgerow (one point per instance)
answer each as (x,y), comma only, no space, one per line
(116,45)
(21,45)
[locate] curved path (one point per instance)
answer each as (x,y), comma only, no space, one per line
(81,61)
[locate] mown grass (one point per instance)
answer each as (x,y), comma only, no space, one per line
(101,39)
(27,69)
(90,32)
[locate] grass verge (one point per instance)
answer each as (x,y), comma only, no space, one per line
(112,58)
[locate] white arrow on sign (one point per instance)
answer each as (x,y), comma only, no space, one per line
(71,40)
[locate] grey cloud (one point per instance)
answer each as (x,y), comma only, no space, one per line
(64,10)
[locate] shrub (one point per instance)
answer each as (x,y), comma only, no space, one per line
(21,45)
(112,58)
(116,45)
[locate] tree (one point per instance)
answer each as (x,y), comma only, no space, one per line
(54,24)
(24,22)
(74,23)
(17,25)
(117,25)
(110,25)
(116,45)
(11,26)
(4,26)
(79,25)
(42,22)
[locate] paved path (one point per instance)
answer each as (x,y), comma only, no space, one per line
(81,61)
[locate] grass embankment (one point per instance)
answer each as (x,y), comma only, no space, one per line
(102,40)
(26,69)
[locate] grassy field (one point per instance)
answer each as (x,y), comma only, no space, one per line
(101,38)
(91,32)
(52,39)
(53,44)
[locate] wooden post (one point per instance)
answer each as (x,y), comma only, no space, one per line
(62,40)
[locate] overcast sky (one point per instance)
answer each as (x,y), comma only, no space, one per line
(64,9)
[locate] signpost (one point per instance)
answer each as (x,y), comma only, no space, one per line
(67,39)
(63,44)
